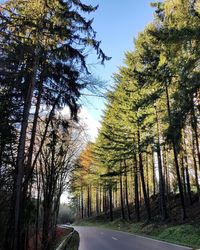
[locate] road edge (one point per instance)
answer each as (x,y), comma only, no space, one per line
(64,243)
(145,237)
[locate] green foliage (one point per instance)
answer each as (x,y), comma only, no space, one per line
(154,103)
(43,67)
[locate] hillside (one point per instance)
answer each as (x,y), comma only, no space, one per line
(173,230)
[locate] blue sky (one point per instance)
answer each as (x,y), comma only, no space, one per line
(117,23)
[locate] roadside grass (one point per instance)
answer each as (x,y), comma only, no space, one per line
(74,242)
(183,234)
(173,230)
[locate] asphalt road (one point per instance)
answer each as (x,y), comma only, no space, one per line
(92,238)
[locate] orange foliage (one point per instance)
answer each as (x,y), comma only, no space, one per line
(86,158)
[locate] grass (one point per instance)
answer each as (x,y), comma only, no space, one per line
(183,234)
(173,230)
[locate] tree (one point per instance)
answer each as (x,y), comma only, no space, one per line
(43,46)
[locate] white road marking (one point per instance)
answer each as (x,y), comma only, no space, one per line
(139,236)
(151,239)
(114,238)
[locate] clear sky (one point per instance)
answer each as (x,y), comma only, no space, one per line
(117,23)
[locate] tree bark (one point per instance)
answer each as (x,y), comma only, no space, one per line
(141,168)
(195,167)
(82,205)
(100,200)
(166,172)
(137,203)
(97,200)
(110,202)
(88,201)
(187,172)
(37,211)
(183,178)
(195,129)
(17,244)
(176,160)
(163,206)
(121,194)
(153,174)
(126,191)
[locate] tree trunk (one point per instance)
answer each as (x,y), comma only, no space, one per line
(37,211)
(153,174)
(166,171)
(97,200)
(195,167)
(90,207)
(88,201)
(126,191)
(163,206)
(17,244)
(147,173)
(195,129)
(110,202)
(1,154)
(104,200)
(188,181)
(121,194)
(183,178)
(137,203)
(29,168)
(141,168)
(100,200)
(187,172)
(82,205)
(176,160)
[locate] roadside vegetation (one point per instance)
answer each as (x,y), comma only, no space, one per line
(186,234)
(142,173)
(61,235)
(173,231)
(145,162)
(43,69)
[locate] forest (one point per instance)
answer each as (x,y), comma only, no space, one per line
(146,158)
(43,68)
(145,162)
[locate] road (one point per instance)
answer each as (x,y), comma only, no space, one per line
(92,238)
